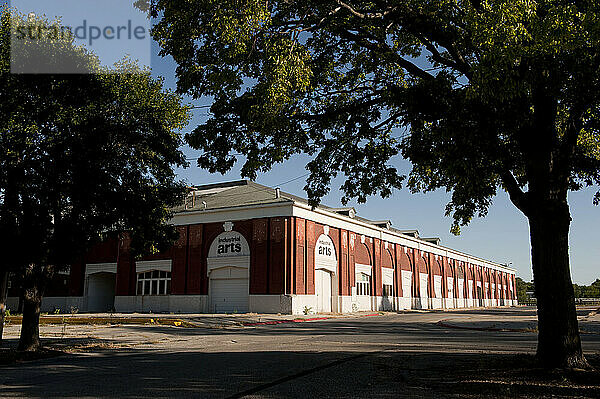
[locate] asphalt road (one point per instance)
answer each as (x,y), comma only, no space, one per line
(394,355)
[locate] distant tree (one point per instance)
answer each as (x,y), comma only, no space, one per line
(522,288)
(478,95)
(81,156)
(587,291)
(577,290)
(591,291)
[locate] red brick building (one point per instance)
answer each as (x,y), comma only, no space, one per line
(244,247)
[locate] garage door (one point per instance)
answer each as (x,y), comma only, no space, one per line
(229,295)
(101,292)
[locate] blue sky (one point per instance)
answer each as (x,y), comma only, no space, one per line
(91,19)
(502,236)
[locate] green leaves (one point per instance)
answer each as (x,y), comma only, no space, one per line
(487,95)
(85,155)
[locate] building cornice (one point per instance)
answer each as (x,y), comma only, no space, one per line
(395,237)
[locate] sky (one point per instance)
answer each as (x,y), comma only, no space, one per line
(106,27)
(502,236)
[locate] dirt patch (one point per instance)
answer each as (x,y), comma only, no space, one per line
(479,375)
(523,377)
(10,356)
(58,346)
(81,320)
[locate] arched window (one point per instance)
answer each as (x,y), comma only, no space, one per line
(363,284)
(362,270)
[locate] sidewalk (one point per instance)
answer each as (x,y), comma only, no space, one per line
(589,323)
(200,320)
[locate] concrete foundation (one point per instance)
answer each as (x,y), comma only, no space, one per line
(283,304)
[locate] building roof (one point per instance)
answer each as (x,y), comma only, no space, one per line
(228,195)
(244,193)
(434,240)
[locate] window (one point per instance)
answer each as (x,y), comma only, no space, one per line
(154,282)
(363,284)
(388,290)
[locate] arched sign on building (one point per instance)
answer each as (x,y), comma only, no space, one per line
(325,268)
(229,243)
(325,256)
(229,248)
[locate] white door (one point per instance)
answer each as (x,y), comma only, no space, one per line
(406,284)
(450,283)
(461,288)
(229,295)
(423,280)
(323,290)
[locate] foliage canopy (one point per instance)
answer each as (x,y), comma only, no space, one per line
(478,95)
(84,155)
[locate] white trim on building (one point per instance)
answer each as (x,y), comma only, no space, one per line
(332,219)
(92,268)
(163,265)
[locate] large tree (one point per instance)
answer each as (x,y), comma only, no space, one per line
(478,95)
(82,156)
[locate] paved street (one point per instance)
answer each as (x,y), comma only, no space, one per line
(393,355)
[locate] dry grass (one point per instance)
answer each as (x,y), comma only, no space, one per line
(491,376)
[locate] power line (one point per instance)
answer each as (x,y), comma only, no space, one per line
(294,179)
(264,189)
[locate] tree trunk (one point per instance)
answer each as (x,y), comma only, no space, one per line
(3,293)
(559,344)
(32,303)
(20,305)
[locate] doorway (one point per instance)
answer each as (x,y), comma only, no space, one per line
(101,292)
(323,290)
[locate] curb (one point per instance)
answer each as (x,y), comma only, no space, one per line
(262,323)
(443,323)
(69,320)
(300,320)
(174,322)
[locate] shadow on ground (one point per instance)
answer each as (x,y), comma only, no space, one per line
(381,374)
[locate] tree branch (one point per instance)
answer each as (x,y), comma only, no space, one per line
(387,121)
(517,196)
(375,15)
(404,63)
(459,65)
